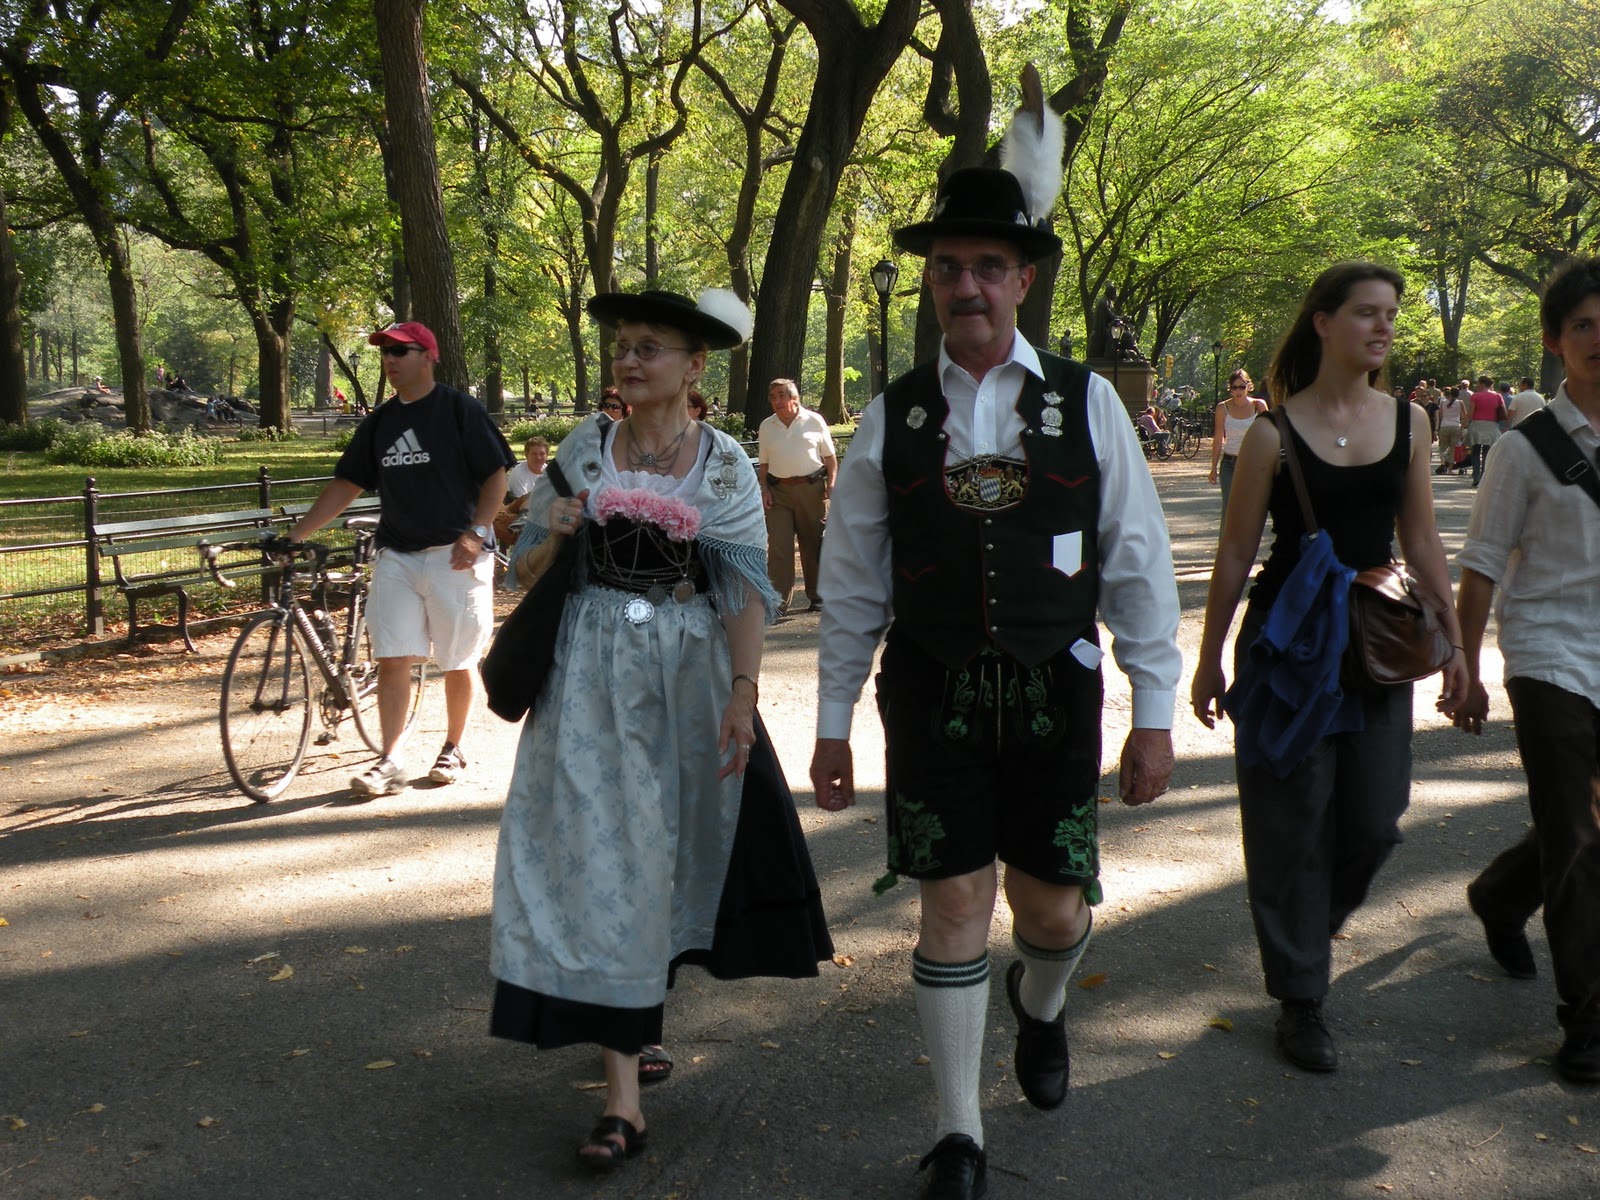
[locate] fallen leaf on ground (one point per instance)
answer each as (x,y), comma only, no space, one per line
(1541,1137)
(404,949)
(921,1060)
(1410,1062)
(355,949)
(3,921)
(419,1052)
(261,958)
(297,1053)
(1089,982)
(1586,1148)
(208,1122)
(93,1108)
(15,1122)
(79,1033)
(1572,1119)
(284,972)
(381,1064)
(1167,1054)
(769,1045)
(843,960)
(1221,1023)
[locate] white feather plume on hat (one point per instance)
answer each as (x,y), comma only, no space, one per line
(725,306)
(1031,150)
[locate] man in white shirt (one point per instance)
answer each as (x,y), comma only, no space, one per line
(1535,537)
(519,485)
(992,502)
(796,465)
(1526,401)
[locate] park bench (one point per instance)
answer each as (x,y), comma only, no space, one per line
(156,556)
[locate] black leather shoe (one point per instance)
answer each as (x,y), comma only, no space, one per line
(1579,1058)
(958,1169)
(1042,1061)
(1302,1037)
(1508,944)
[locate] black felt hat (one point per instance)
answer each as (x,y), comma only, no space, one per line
(719,318)
(980,202)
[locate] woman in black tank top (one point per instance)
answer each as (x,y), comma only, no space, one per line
(1315,838)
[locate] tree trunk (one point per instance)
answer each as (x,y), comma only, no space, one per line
(130,353)
(430,264)
(494,380)
(852,62)
(652,207)
(13,357)
(835,295)
(324,386)
(272,353)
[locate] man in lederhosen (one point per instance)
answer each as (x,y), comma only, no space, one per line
(990,503)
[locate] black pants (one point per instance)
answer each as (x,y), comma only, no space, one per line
(1314,842)
(1558,863)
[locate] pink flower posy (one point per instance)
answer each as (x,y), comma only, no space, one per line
(679,521)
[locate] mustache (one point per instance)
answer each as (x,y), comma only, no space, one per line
(967,308)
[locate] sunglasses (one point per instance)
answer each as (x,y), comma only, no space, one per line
(397,351)
(644,351)
(610,406)
(1238,387)
(947,273)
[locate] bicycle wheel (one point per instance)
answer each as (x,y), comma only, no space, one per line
(266,707)
(1191,442)
(362,682)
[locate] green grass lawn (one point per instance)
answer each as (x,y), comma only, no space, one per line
(28,475)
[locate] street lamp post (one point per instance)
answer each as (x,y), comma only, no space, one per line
(884,276)
(1216,371)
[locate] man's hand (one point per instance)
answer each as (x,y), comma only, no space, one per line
(1473,711)
(833,774)
(1146,765)
(766,498)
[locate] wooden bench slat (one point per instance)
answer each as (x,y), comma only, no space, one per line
(196,521)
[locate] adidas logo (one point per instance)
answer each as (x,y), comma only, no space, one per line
(406,452)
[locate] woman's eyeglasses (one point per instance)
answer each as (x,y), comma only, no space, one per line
(644,351)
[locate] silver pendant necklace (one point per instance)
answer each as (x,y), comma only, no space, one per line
(659,460)
(1342,440)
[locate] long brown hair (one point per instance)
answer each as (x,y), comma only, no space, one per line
(1299,355)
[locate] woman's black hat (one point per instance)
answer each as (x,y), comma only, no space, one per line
(720,318)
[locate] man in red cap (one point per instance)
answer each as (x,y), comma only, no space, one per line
(439,463)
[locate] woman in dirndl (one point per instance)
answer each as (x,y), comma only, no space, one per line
(648,823)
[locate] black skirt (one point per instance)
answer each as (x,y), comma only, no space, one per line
(769,923)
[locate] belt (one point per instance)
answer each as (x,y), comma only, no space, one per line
(814,477)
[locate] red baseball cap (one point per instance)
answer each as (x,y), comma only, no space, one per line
(407,333)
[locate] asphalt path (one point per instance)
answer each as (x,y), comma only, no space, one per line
(203,997)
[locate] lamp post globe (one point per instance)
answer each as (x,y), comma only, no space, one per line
(884,276)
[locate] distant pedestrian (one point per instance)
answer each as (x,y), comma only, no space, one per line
(1486,412)
(797,465)
(1233,417)
(1452,418)
(1526,401)
(1535,535)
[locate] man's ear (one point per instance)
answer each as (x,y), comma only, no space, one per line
(1025,277)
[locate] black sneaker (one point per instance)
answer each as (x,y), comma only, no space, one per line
(1303,1038)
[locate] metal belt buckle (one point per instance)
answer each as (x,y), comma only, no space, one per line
(638,611)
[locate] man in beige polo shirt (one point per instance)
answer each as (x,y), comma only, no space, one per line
(796,466)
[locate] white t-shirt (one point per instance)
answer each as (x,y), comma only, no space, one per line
(1524,403)
(520,479)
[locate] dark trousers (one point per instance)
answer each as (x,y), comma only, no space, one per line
(798,512)
(1313,842)
(1558,863)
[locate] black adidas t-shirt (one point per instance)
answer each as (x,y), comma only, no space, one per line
(428,460)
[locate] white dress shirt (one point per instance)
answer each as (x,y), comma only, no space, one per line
(1538,539)
(1138,593)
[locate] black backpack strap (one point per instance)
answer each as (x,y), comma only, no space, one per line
(1560,453)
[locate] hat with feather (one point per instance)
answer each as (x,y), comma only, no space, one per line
(1011,202)
(719,318)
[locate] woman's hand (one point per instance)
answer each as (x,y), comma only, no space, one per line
(738,731)
(1466,703)
(1212,477)
(566,515)
(1206,692)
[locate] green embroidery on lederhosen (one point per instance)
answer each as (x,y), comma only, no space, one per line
(911,840)
(1029,708)
(961,697)
(1077,835)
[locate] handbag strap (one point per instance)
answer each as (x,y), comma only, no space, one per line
(558,480)
(1286,452)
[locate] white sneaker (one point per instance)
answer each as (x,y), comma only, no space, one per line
(385,777)
(448,766)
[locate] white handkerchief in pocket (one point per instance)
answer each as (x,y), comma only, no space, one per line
(1087,653)
(1066,553)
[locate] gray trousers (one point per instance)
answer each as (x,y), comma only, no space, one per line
(1314,842)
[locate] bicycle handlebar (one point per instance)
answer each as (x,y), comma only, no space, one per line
(272,544)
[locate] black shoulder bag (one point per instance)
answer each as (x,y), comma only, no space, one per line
(524,649)
(1559,451)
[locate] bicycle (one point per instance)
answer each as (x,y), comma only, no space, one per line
(1186,434)
(266,687)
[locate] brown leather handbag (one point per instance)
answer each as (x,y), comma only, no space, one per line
(1395,632)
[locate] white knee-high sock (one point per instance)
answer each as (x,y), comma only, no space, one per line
(953,1002)
(1043,987)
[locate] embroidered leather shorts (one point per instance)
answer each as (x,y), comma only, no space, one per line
(995,760)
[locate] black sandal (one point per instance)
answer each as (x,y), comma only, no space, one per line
(600,1138)
(655,1064)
